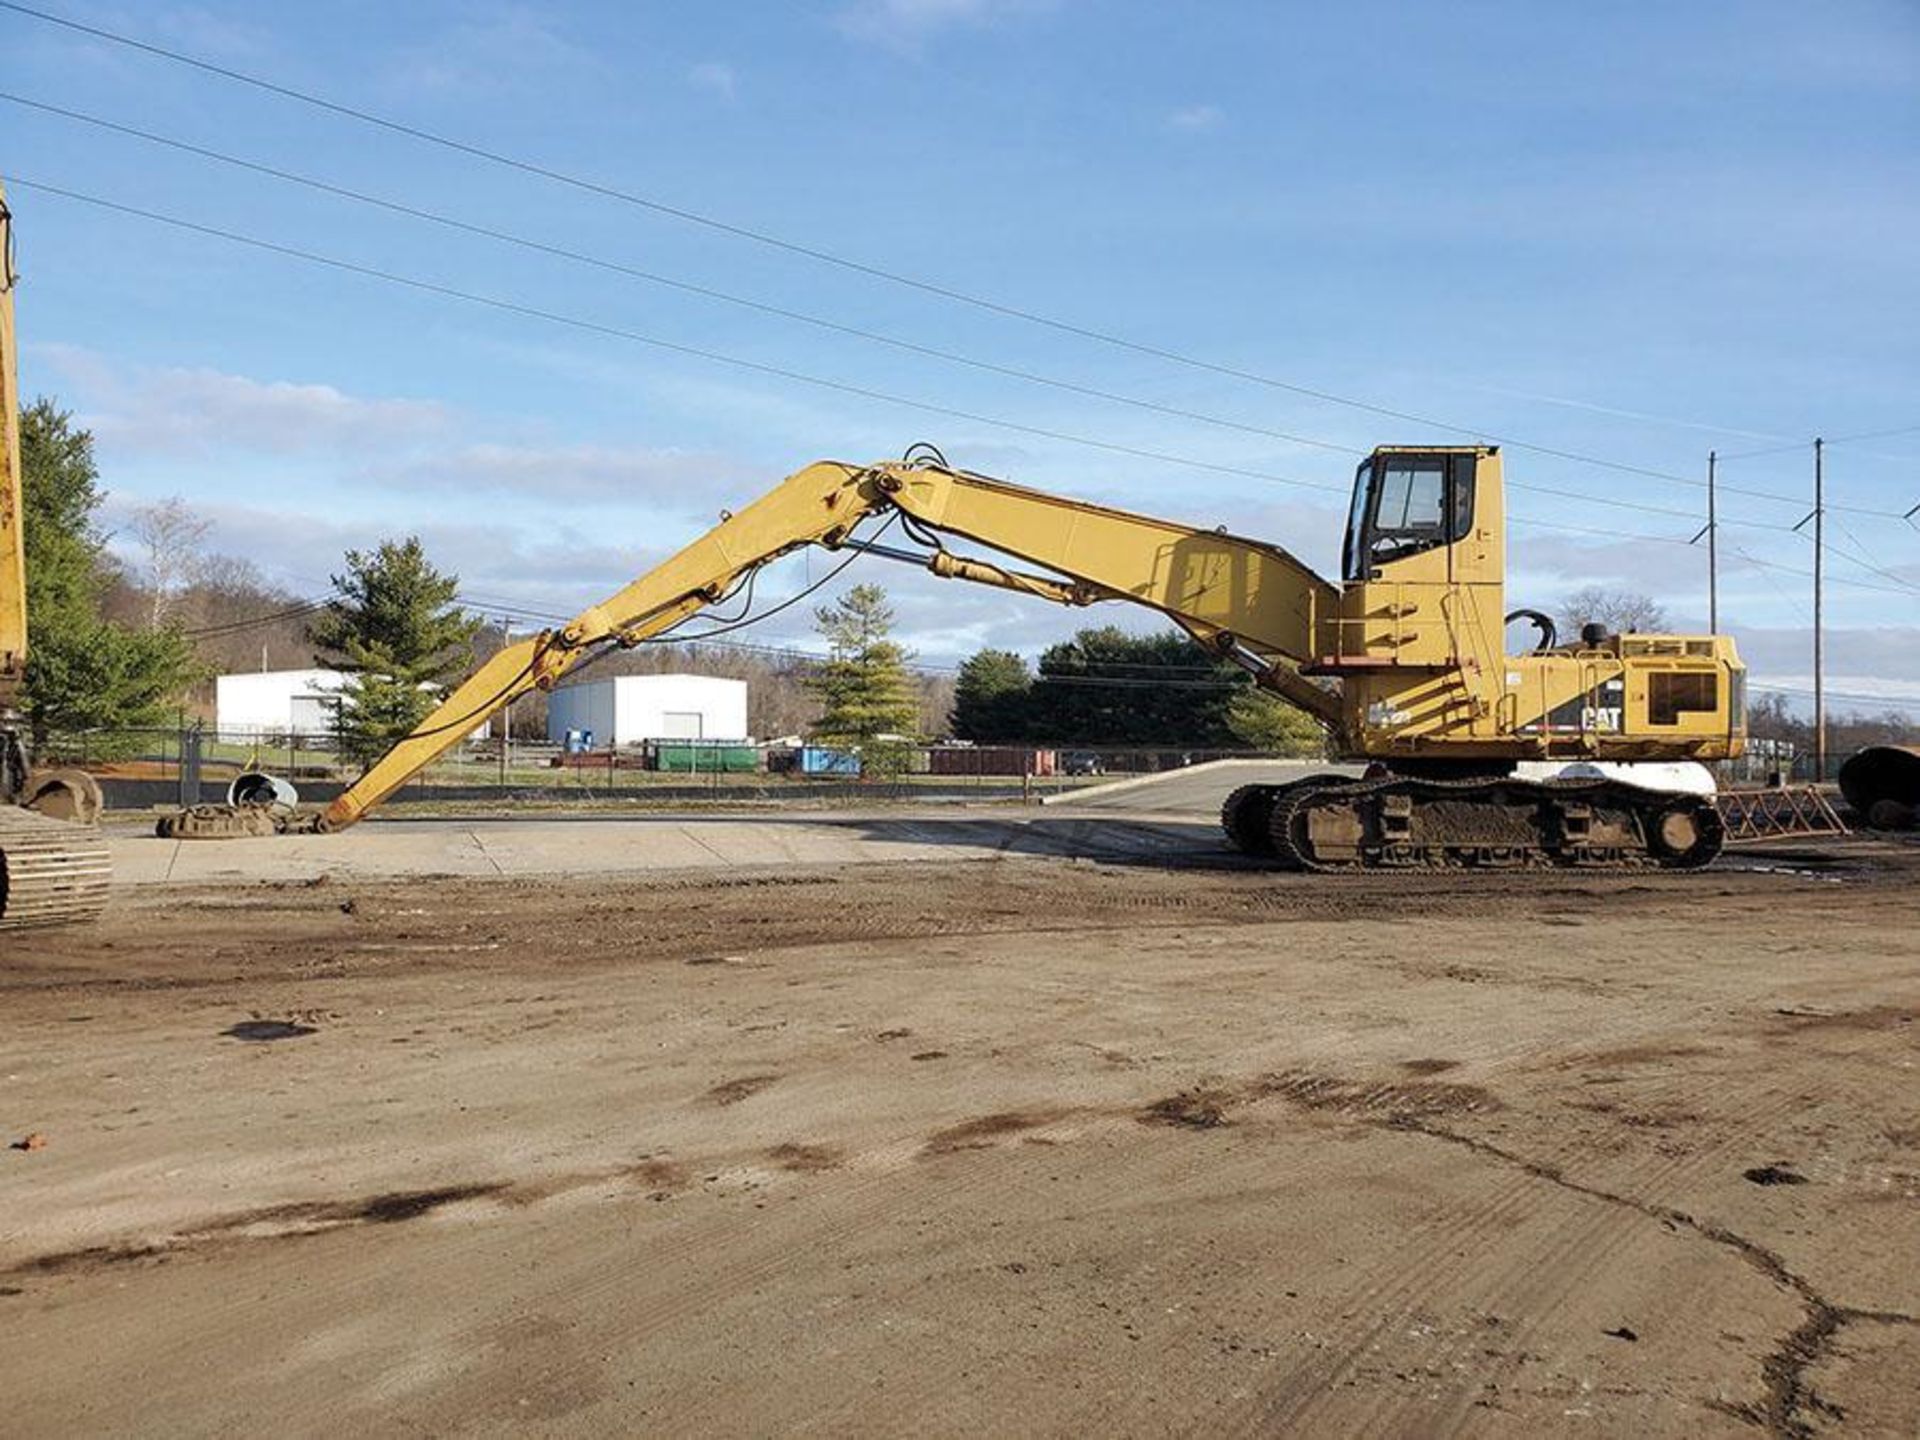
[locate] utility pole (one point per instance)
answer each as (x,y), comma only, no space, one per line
(1713,546)
(1819,594)
(1710,532)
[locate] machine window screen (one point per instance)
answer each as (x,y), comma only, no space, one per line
(1673,693)
(1413,496)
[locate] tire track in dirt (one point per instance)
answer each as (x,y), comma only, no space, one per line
(1579,1250)
(1789,1402)
(1589,1243)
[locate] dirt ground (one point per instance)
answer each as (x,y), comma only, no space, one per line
(1024,1145)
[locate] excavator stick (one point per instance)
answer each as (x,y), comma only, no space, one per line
(820,504)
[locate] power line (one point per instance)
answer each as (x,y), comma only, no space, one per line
(1873,434)
(800,316)
(1807,444)
(255,622)
(594,326)
(654,277)
(781,372)
(761,237)
(1856,695)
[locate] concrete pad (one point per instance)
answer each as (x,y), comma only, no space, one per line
(548,845)
(1196,789)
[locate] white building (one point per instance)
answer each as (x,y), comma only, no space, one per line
(273,703)
(626,709)
(276,702)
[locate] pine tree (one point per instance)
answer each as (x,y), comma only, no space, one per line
(990,698)
(396,630)
(1261,720)
(84,672)
(867,697)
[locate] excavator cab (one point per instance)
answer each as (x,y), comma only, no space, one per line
(1420,640)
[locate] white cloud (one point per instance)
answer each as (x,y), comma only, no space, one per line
(1197,117)
(153,412)
(511,47)
(688,479)
(714,77)
(197,28)
(145,417)
(907,24)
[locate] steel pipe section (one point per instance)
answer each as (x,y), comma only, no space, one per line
(1882,784)
(256,788)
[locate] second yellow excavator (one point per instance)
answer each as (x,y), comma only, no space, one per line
(54,865)
(1404,661)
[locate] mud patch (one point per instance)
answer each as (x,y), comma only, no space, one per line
(275,1222)
(981,1133)
(805,1159)
(1875,1017)
(1638,1055)
(657,1173)
(1400,1101)
(1200,1108)
(398,1205)
(261,1031)
(732,1092)
(85,1261)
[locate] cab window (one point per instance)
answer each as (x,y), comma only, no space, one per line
(1409,503)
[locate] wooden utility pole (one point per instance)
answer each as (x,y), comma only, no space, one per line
(1819,595)
(1710,532)
(1713,546)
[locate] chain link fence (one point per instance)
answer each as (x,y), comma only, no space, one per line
(194,764)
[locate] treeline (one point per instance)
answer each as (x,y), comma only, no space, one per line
(1106,687)
(1770,718)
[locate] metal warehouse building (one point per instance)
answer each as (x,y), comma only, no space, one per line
(627,709)
(276,702)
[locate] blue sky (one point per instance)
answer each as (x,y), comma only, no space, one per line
(1634,233)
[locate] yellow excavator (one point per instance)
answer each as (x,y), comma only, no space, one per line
(54,865)
(1478,757)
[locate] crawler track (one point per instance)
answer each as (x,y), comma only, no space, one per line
(1398,822)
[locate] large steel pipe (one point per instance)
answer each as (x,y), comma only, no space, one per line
(1882,784)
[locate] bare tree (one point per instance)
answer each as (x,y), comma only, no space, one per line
(1621,611)
(172,537)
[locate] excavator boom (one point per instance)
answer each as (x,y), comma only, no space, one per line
(1250,601)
